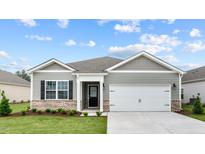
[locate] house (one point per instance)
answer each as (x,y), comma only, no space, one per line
(193,84)
(142,82)
(15,88)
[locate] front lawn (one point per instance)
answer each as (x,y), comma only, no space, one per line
(41,124)
(187,110)
(18,107)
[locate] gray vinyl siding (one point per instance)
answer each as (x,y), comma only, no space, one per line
(142,63)
(37,77)
(140,78)
(54,66)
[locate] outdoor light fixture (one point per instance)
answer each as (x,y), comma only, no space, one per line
(174,85)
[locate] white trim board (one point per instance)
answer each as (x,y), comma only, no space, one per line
(48,63)
(155,59)
(141,71)
(53,71)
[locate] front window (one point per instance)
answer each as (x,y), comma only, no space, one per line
(56,89)
(62,90)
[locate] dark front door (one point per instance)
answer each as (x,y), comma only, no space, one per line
(93,96)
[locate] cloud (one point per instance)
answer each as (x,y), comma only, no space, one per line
(190,66)
(169,58)
(22,59)
(160,40)
(28,22)
(14,66)
(89,44)
(134,48)
(63,23)
(14,63)
(104,21)
(195,46)
(195,33)
(176,31)
(128,26)
(151,43)
(169,21)
(38,37)
(4,54)
(123,26)
(70,43)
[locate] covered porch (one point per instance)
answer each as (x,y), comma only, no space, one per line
(90,92)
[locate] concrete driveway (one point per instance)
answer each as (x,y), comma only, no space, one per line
(153,123)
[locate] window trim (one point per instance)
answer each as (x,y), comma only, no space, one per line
(57,89)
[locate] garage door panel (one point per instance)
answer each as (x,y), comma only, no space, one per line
(140,98)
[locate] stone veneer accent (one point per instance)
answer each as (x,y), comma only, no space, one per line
(106,106)
(53,104)
(176,105)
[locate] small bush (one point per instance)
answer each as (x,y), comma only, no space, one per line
(63,111)
(23,112)
(22,101)
(72,113)
(4,105)
(60,110)
(39,112)
(98,113)
(197,106)
(28,108)
(48,110)
(34,110)
(53,111)
(85,114)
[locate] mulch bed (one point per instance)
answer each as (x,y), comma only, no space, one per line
(30,113)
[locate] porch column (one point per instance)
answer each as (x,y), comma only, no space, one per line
(78,94)
(101,96)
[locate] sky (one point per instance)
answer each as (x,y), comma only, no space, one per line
(28,42)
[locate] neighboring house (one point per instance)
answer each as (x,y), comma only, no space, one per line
(193,83)
(15,88)
(140,83)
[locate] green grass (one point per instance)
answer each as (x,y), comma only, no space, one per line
(187,110)
(19,107)
(41,124)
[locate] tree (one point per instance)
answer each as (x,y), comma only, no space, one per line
(24,75)
(4,105)
(197,106)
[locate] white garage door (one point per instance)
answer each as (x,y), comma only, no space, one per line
(140,97)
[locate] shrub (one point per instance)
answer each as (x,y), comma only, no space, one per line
(48,110)
(34,110)
(4,105)
(53,111)
(63,111)
(72,112)
(23,112)
(197,106)
(85,114)
(39,112)
(60,110)
(28,108)
(98,113)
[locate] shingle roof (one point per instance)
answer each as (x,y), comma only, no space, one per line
(194,74)
(10,78)
(96,65)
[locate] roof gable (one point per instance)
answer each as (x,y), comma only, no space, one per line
(149,56)
(142,63)
(51,64)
